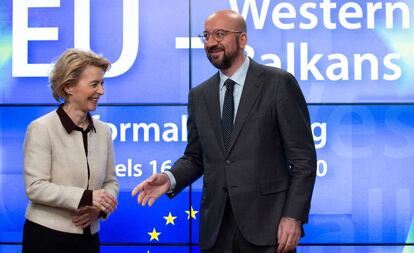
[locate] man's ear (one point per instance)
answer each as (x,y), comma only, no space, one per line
(243,40)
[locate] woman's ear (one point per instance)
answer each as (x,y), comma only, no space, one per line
(68,90)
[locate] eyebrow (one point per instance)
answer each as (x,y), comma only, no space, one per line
(96,81)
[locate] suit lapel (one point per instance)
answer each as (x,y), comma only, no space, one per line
(251,89)
(212,97)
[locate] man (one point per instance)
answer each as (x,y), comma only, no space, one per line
(250,136)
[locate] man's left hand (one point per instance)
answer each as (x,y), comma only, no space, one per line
(288,234)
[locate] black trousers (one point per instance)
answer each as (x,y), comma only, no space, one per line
(37,238)
(231,240)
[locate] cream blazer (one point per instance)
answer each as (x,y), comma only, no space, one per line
(55,171)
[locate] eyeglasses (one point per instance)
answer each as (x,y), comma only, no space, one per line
(218,35)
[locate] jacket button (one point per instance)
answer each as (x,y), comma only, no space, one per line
(228,162)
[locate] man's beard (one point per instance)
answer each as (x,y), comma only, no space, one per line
(228,59)
(223,63)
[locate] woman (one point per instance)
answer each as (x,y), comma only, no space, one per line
(69,169)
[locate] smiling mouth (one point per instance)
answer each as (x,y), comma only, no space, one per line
(215,53)
(215,49)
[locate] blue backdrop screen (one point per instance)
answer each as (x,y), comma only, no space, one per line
(352,59)
(363,192)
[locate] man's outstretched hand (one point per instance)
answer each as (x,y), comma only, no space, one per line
(151,189)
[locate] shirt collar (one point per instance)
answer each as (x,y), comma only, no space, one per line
(69,125)
(239,76)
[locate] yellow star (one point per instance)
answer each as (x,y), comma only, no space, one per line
(191,213)
(154,235)
(170,219)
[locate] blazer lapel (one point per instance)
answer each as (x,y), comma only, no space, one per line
(251,89)
(212,97)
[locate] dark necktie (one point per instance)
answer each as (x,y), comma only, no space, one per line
(227,117)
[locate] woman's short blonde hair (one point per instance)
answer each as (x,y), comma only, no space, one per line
(69,68)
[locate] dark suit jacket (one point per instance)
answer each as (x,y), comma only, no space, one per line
(270,167)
